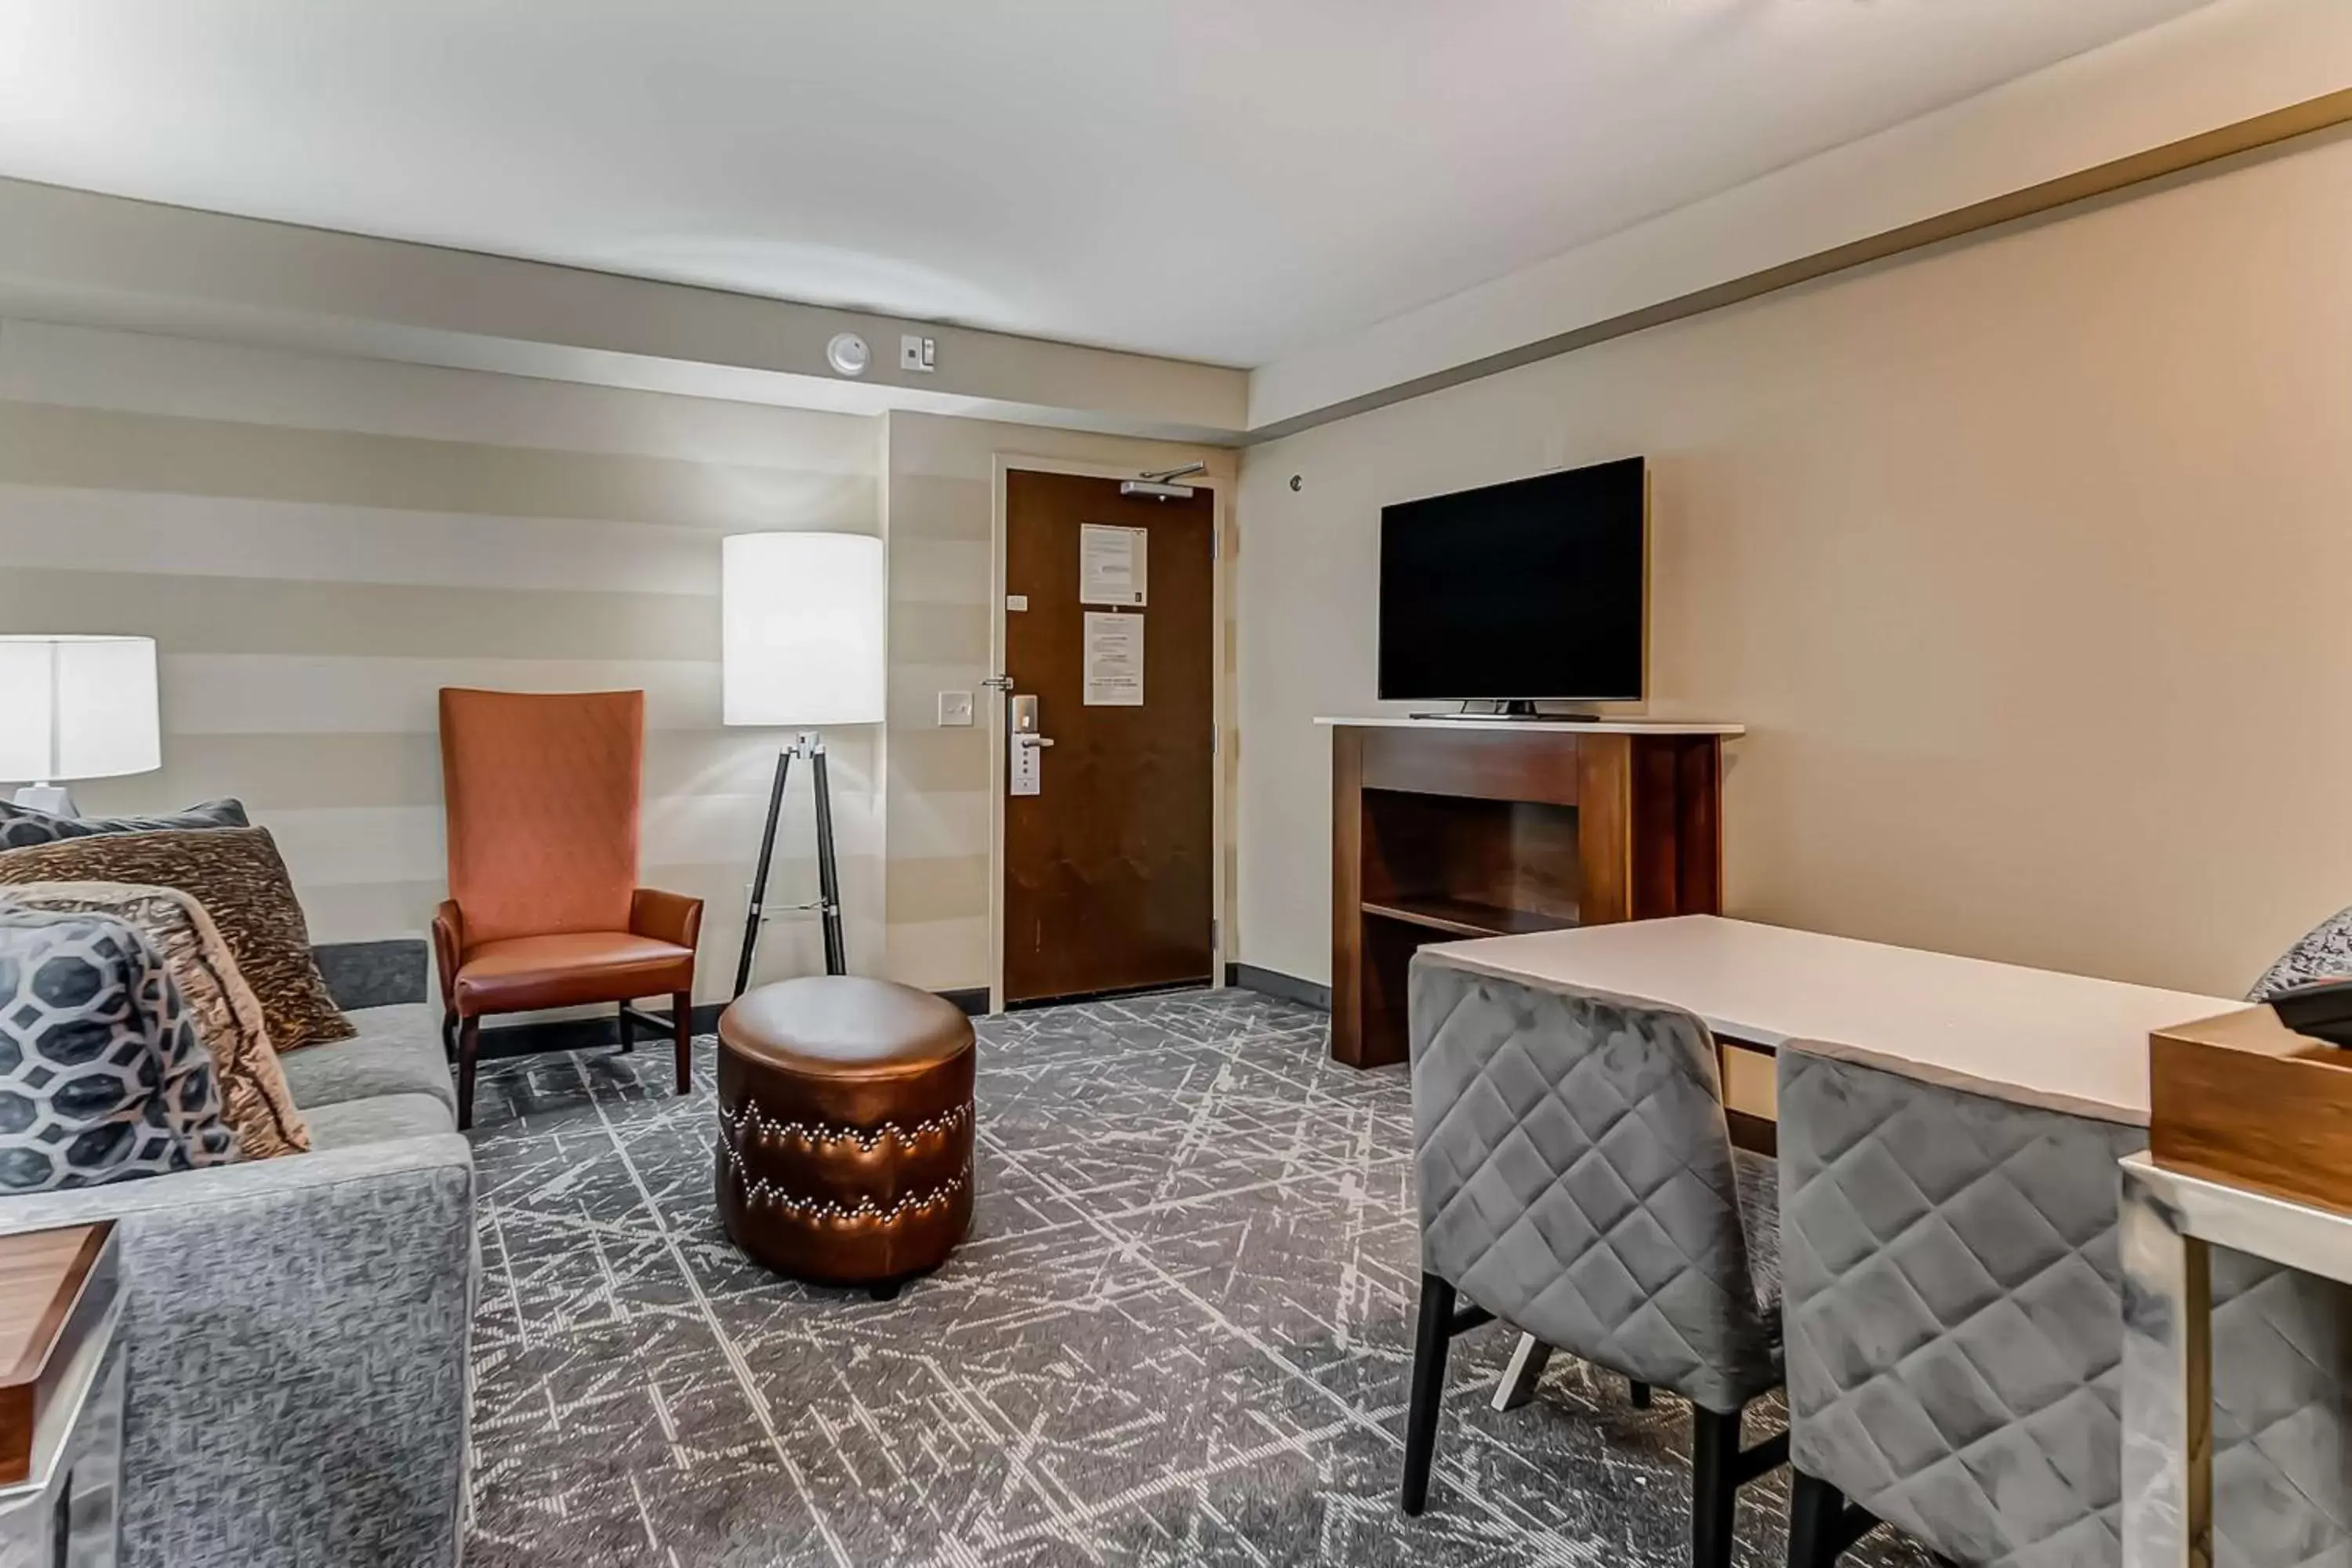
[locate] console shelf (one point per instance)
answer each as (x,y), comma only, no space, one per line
(1441,832)
(1464,917)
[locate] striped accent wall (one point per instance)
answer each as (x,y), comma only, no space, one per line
(318,544)
(938,504)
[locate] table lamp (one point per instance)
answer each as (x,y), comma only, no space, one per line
(801,619)
(76,708)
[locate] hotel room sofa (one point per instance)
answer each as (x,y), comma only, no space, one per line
(297,1327)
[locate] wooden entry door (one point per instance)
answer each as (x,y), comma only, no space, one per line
(1107,866)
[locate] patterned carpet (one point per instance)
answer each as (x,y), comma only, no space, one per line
(1179,1334)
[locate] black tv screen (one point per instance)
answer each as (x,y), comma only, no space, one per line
(1535,589)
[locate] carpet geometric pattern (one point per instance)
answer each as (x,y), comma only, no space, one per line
(1179,1334)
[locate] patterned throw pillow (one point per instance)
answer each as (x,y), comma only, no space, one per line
(235,874)
(21,827)
(227,1015)
(101,1076)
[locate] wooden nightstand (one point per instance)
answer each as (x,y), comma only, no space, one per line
(61,1382)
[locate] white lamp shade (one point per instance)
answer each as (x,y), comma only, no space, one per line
(802,618)
(78,708)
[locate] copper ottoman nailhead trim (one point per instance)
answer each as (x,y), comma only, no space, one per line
(760,1190)
(767,1129)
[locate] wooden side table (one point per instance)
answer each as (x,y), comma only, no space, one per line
(62,1387)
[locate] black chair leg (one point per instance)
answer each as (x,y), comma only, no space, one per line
(1822,1523)
(1428,1390)
(681,1016)
(629,1031)
(449,1035)
(1714,1486)
(1639,1393)
(469,1042)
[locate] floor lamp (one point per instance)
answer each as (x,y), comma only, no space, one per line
(802,620)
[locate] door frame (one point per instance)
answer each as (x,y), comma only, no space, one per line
(1221,499)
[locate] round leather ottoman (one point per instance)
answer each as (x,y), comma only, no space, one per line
(845,1128)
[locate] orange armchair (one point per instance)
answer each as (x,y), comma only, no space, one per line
(543,910)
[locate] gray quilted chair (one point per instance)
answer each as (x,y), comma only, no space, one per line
(1577,1182)
(1953,1321)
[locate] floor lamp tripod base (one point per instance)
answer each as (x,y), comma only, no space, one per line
(811,746)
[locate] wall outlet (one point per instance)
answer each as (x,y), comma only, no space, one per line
(917,353)
(955,709)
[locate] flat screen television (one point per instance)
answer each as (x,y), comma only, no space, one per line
(1531,591)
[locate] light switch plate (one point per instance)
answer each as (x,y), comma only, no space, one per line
(919,353)
(955,709)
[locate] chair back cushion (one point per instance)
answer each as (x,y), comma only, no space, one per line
(1577,1180)
(101,1076)
(542,792)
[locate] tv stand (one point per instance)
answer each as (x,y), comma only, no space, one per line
(1450,830)
(1516,713)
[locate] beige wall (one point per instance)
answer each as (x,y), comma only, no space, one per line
(940,499)
(320,544)
(2026,560)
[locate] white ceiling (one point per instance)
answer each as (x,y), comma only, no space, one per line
(1226,180)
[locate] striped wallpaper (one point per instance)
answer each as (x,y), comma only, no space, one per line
(318,544)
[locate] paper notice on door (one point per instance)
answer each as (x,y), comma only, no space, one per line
(1112,563)
(1113,665)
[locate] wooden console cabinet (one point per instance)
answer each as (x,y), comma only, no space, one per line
(1444,829)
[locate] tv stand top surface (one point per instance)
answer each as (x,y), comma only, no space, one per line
(1524,726)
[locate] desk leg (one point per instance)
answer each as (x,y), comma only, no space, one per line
(1519,1378)
(2168,1424)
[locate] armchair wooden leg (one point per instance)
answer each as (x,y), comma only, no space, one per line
(449,1035)
(628,1032)
(469,1043)
(681,1003)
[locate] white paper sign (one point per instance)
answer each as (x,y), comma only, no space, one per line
(1114,673)
(1112,563)
(1025,774)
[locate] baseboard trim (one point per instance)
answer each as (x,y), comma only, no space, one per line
(589,1034)
(1115,993)
(1274,982)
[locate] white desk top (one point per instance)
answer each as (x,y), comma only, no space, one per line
(2065,1042)
(1542,726)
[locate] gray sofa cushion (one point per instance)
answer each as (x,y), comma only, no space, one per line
(397,1051)
(1577,1180)
(353,1124)
(296,1335)
(1955,1334)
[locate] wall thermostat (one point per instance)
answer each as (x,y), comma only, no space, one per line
(847,354)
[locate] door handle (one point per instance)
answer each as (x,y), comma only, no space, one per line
(1032,741)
